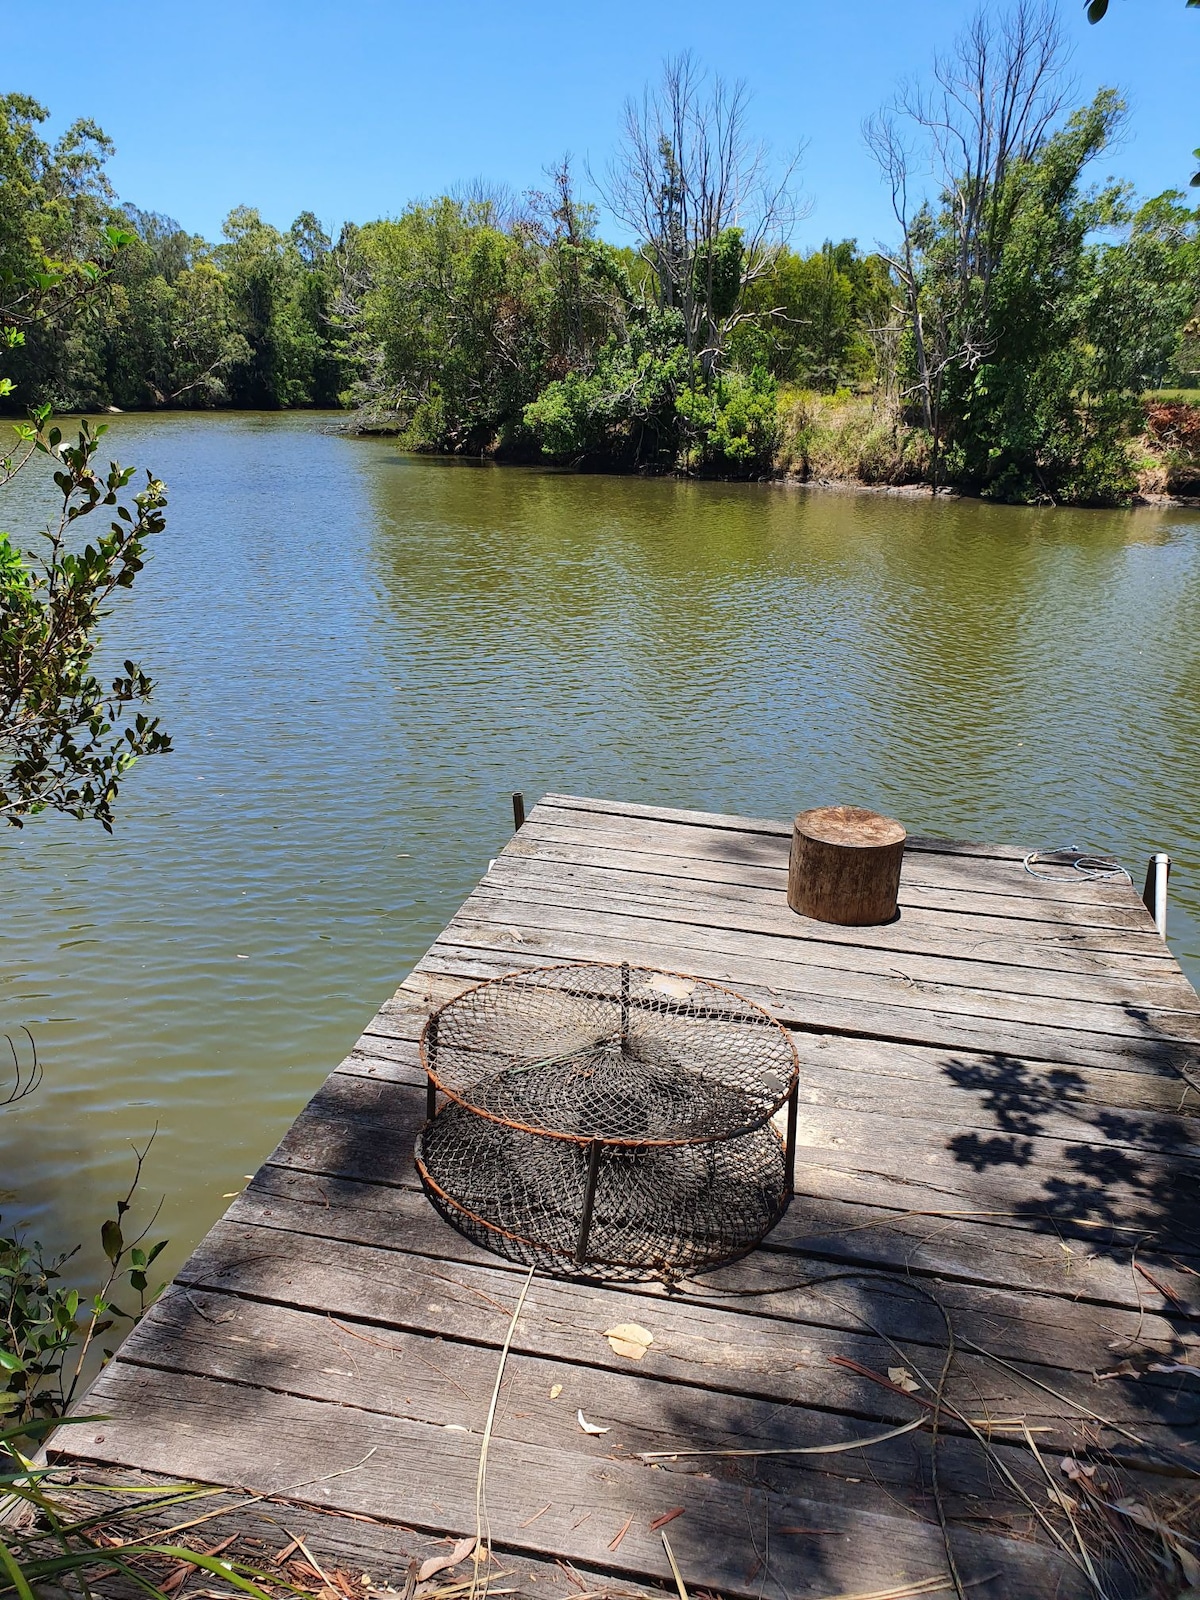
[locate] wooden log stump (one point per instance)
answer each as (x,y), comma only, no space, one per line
(845,865)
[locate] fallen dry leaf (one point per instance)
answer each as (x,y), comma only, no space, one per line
(903,1379)
(615,1543)
(1124,1369)
(668,983)
(628,1339)
(1061,1498)
(436,1564)
(1129,1507)
(1191,1567)
(588,1427)
(555,1390)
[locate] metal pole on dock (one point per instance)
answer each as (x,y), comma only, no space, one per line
(518,810)
(589,1201)
(431,1034)
(793,1113)
(1154,896)
(624,1008)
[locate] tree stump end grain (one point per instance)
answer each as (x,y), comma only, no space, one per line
(845,866)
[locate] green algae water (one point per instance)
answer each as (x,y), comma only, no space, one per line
(360,654)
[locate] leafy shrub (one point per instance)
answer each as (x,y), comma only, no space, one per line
(576,417)
(623,412)
(734,423)
(1103,474)
(48,1328)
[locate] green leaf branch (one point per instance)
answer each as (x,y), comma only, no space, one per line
(59,746)
(47,1329)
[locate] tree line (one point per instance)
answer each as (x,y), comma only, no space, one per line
(1003,341)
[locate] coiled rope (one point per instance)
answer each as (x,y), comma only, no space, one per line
(1076,863)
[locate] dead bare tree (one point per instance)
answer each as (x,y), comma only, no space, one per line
(894,157)
(994,100)
(997,96)
(688,173)
(492,204)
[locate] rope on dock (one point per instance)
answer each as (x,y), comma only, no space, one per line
(1082,863)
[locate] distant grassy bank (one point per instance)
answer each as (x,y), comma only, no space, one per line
(863,439)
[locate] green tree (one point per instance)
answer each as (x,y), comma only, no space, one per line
(279,299)
(813,317)
(59,748)
(589,287)
(164,327)
(58,232)
(1073,326)
(1034,309)
(459,310)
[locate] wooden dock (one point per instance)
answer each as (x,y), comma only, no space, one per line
(994,1228)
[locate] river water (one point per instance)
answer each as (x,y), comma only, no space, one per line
(360,654)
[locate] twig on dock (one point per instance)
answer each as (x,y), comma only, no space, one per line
(483,1531)
(679,1584)
(795,1450)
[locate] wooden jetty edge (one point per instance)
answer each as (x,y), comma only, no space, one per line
(998,1136)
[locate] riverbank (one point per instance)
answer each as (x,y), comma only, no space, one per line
(857,442)
(863,442)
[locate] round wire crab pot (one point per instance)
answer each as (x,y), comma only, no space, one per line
(608,1120)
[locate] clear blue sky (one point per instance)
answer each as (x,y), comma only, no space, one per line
(350,111)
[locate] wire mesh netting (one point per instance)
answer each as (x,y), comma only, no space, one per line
(659,1210)
(608,1118)
(620,1053)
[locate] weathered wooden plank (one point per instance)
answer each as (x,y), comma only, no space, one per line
(1014,941)
(767,825)
(842,1214)
(976,989)
(483,950)
(1004,1081)
(979,875)
(1068,1197)
(982,1091)
(365,1131)
(447,1382)
(1054,1311)
(718,821)
(425,1477)
(887,951)
(951,1094)
(1054,918)
(781,1360)
(1132,1181)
